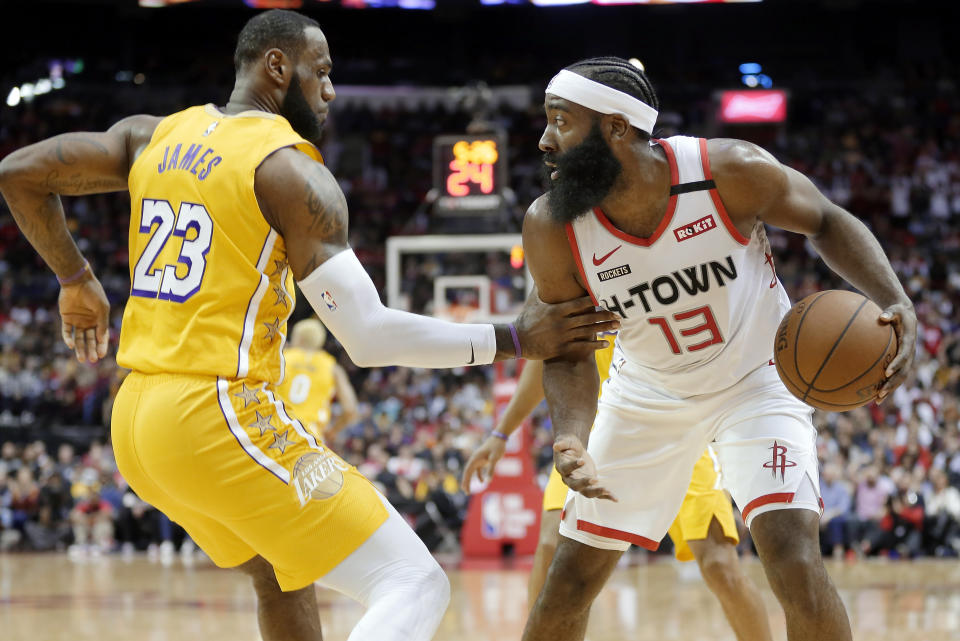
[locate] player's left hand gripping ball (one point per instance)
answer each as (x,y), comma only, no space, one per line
(548,330)
(904,320)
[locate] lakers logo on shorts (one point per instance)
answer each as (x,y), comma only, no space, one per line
(318,475)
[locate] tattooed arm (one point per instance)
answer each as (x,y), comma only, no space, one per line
(302,201)
(32,180)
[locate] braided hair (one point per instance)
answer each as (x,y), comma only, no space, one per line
(620,74)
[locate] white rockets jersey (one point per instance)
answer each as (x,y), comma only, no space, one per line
(700,304)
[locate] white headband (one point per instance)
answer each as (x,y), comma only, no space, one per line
(607,100)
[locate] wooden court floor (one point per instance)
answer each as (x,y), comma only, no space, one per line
(51,597)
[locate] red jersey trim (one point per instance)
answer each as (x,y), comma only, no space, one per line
(667,218)
(575,248)
(620,535)
(715,195)
(780,497)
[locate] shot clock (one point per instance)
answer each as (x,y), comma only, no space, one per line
(469,173)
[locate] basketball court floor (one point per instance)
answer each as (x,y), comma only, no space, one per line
(53,598)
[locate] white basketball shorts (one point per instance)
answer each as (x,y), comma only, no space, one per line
(645,443)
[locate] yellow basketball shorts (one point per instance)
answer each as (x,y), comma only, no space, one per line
(704,501)
(225,460)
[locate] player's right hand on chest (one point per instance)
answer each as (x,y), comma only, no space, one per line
(577,469)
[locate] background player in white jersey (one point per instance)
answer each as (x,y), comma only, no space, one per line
(670,235)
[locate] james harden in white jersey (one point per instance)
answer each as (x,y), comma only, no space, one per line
(669,235)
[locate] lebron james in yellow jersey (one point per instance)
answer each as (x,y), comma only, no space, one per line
(228,206)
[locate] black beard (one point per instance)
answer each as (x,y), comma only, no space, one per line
(298,113)
(587,173)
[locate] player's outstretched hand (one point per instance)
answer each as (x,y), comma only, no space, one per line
(904,320)
(577,468)
(482,461)
(85,316)
(548,330)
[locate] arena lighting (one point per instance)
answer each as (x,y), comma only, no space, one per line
(759,105)
(516,256)
(557,3)
(13,98)
(43,86)
(636,63)
(274,4)
(750,68)
(751,81)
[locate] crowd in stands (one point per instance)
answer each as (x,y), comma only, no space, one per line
(890,473)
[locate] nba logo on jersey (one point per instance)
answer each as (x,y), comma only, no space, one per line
(328,299)
(213,125)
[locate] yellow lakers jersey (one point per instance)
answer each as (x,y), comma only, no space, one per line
(210,288)
(308,385)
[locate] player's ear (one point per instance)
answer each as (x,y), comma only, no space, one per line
(617,127)
(277,66)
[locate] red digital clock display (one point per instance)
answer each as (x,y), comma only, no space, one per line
(469,173)
(471,169)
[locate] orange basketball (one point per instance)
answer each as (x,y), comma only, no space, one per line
(831,350)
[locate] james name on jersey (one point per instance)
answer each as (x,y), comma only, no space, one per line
(666,289)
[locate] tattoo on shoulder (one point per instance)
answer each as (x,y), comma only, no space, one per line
(66,141)
(328,213)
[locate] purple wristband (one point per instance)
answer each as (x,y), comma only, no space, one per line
(74,277)
(516,341)
(499,435)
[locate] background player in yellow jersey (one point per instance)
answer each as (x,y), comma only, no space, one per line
(704,529)
(313,379)
(228,206)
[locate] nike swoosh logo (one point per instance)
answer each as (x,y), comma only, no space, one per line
(472,359)
(599,261)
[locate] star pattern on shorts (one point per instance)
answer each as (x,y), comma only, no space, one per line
(278,267)
(263,423)
(281,295)
(280,442)
(248,395)
(273,329)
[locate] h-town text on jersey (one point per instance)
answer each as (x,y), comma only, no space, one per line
(666,290)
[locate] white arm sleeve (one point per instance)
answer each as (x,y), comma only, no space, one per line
(348,303)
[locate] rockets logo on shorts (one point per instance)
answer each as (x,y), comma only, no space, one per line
(328,299)
(779,461)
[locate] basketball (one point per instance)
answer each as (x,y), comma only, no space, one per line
(831,350)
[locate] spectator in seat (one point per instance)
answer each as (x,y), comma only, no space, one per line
(836,507)
(942,524)
(870,503)
(92,516)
